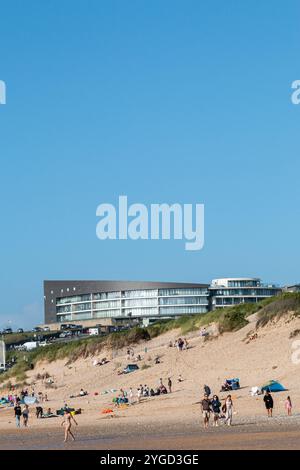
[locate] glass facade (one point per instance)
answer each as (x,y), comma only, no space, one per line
(133,303)
(182,310)
(230,292)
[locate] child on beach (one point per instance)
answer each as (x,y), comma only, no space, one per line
(288,406)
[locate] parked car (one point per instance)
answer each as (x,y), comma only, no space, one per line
(20,330)
(37,329)
(65,334)
(7,331)
(130,368)
(46,328)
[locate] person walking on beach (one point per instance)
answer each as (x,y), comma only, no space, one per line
(18,413)
(228,407)
(288,406)
(170,385)
(67,422)
(25,415)
(205,409)
(207,390)
(216,405)
(269,404)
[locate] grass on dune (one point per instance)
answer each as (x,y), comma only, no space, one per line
(284,304)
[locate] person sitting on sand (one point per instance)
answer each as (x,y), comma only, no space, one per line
(288,406)
(269,404)
(180,379)
(82,393)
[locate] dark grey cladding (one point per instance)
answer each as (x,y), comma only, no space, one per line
(90,287)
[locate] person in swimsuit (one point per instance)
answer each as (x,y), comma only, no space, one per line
(67,422)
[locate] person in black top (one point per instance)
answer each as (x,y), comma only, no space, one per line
(18,414)
(216,408)
(269,404)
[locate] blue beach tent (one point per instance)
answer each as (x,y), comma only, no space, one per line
(273,386)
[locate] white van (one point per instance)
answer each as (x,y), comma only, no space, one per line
(93,331)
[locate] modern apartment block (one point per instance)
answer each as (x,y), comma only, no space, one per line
(228,292)
(99,301)
(73,301)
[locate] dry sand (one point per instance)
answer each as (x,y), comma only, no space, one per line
(173,420)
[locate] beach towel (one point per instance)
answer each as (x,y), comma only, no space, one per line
(30,400)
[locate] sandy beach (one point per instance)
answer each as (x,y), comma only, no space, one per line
(171,421)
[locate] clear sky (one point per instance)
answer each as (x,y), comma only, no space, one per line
(164,101)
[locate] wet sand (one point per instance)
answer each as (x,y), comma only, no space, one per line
(238,437)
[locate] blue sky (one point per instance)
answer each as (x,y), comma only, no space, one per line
(170,101)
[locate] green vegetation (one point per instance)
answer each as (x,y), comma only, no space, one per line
(228,319)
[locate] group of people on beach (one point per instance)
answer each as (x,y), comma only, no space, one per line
(143,391)
(21,413)
(213,406)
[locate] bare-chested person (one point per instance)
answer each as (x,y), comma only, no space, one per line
(67,422)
